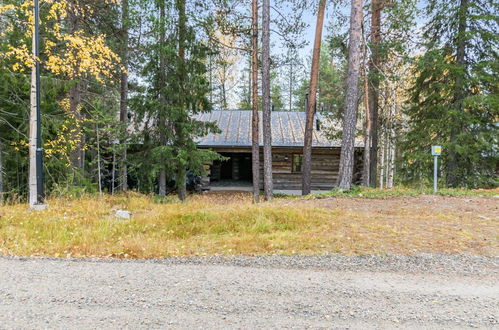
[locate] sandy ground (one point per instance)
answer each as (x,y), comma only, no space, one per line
(422,292)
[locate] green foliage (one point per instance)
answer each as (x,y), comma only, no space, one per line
(276,92)
(169,104)
(454,100)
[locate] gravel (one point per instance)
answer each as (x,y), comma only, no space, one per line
(330,291)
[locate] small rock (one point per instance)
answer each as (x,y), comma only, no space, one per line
(38,207)
(123,214)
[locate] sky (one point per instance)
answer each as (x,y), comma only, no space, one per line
(309,17)
(278,48)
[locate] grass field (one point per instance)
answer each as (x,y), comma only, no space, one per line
(372,222)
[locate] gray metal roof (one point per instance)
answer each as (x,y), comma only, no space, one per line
(287,129)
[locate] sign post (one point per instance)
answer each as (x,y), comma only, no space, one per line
(435,151)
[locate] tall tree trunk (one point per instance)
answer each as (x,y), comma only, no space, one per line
(1,175)
(376,7)
(250,84)
(290,86)
(77,156)
(210,65)
(382,159)
(113,170)
(312,95)
(366,168)
(267,115)
(33,191)
(124,94)
(390,170)
(223,87)
(182,34)
(99,171)
(453,177)
(255,141)
(162,96)
(351,100)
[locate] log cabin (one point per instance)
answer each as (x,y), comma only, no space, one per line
(234,142)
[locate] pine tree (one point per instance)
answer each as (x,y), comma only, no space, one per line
(311,106)
(345,175)
(266,120)
(255,141)
(173,95)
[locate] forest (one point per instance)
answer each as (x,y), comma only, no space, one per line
(123,81)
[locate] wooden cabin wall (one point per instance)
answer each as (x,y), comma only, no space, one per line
(325,167)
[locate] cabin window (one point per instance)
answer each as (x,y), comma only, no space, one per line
(296,163)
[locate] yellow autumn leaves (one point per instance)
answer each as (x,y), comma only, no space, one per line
(83,56)
(69,135)
(71,55)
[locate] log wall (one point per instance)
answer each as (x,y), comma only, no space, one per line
(325,166)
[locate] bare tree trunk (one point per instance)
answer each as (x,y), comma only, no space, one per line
(392,139)
(368,126)
(162,183)
(255,143)
(99,171)
(33,191)
(124,94)
(162,97)
(267,115)
(113,171)
(222,86)
(382,158)
(211,77)
(182,32)
(78,154)
(291,85)
(376,7)
(312,95)
(1,176)
(351,100)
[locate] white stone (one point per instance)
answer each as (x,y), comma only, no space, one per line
(123,214)
(38,207)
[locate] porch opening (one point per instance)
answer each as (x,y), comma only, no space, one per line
(235,171)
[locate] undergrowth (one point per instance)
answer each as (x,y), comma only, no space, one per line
(230,224)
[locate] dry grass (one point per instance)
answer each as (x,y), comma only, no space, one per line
(230,224)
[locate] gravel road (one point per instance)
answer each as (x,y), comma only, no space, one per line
(422,292)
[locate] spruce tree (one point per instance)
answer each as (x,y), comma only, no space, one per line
(454,100)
